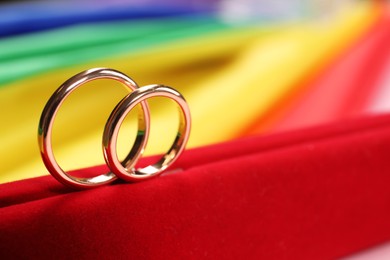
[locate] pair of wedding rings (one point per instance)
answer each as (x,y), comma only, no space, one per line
(125,169)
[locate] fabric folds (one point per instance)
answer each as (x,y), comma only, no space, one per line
(233,67)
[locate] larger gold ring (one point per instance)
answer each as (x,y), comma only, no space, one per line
(50,111)
(116,118)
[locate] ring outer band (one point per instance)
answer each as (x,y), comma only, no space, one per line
(115,121)
(49,113)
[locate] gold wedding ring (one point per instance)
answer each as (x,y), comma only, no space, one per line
(116,118)
(125,169)
(50,111)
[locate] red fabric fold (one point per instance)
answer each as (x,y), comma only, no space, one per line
(318,193)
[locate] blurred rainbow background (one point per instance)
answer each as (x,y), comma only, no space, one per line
(246,67)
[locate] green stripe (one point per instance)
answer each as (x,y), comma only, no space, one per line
(31,54)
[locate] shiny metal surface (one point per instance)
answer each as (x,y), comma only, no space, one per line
(111,130)
(49,114)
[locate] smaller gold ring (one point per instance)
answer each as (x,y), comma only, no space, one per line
(116,118)
(50,111)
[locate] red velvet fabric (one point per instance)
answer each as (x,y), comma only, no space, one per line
(318,193)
